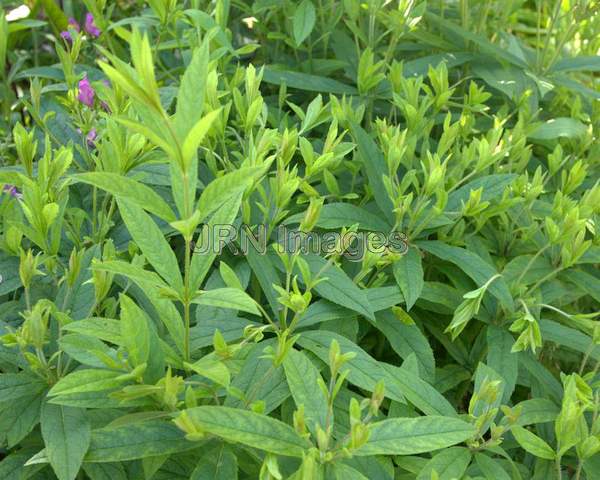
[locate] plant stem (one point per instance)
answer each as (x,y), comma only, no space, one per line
(186,300)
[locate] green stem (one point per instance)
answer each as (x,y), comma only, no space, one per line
(578,471)
(186,300)
(530,263)
(542,280)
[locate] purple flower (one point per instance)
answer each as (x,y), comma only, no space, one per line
(86,92)
(12,191)
(90,137)
(66,34)
(90,27)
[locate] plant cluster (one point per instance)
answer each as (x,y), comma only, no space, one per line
(135,343)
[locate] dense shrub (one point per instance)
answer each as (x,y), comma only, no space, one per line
(168,172)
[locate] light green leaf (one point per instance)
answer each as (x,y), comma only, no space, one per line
(558,127)
(535,410)
(129,189)
(196,135)
(106,329)
(212,368)
(450,463)
(302,377)
(231,298)
(149,133)
(224,189)
(66,432)
(135,333)
(131,271)
(88,350)
(152,243)
(303,21)
(249,428)
(210,242)
(532,443)
(87,380)
(409,436)
(229,276)
(190,96)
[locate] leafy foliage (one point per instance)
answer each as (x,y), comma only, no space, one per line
(156,159)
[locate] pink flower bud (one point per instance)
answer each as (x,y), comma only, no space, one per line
(86,92)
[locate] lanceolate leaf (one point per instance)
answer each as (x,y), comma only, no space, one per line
(138,440)
(224,189)
(231,298)
(152,242)
(14,386)
(135,332)
(212,240)
(532,443)
(491,468)
(365,372)
(492,185)
(249,428)
(303,21)
(190,97)
(306,81)
(338,215)
(407,339)
(408,436)
(375,168)
(129,189)
(66,432)
(473,266)
(408,273)
(449,463)
(344,472)
(87,380)
(260,381)
(501,359)
(218,464)
(302,378)
(338,287)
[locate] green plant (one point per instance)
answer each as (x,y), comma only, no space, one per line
(159,163)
